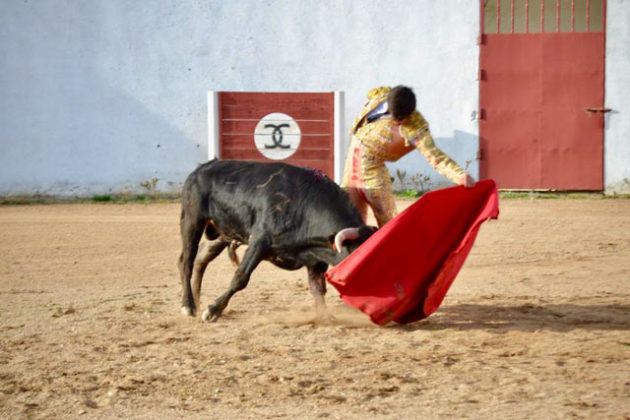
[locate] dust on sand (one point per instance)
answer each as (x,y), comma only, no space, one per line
(535,326)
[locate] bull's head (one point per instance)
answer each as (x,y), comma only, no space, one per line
(349,239)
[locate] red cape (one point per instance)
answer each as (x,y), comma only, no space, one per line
(403,271)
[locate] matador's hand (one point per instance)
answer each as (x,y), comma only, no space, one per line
(467,181)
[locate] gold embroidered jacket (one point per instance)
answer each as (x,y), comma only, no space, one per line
(377,142)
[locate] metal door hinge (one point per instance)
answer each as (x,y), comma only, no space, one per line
(598,110)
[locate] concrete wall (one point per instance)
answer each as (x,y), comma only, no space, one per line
(617,123)
(101,96)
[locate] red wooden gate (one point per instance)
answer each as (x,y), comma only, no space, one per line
(542,93)
(296,128)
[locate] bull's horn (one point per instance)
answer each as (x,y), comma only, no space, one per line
(345,234)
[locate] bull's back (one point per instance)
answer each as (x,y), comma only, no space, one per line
(260,180)
(238,195)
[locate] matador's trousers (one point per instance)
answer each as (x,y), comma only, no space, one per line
(368,183)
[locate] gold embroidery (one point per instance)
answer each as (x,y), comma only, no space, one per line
(377,138)
(372,145)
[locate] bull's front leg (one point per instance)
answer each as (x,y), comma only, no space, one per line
(255,253)
(317,284)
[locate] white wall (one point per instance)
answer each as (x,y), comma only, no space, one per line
(617,123)
(100,96)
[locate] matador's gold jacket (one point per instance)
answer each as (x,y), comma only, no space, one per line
(374,143)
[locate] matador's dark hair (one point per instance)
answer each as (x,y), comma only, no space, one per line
(401,102)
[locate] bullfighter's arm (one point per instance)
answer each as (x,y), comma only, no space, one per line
(423,141)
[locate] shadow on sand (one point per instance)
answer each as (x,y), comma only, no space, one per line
(527,317)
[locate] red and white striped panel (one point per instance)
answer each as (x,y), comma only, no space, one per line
(296,128)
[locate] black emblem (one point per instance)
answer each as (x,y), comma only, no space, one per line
(276,136)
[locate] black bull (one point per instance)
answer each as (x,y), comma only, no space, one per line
(290,216)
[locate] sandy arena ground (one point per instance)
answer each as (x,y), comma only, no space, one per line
(537,325)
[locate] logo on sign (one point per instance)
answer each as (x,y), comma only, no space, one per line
(277,136)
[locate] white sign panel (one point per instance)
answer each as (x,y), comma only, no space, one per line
(277,136)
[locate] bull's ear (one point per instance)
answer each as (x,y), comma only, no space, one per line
(331,240)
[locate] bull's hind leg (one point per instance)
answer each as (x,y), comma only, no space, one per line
(207,252)
(317,283)
(191,229)
(256,251)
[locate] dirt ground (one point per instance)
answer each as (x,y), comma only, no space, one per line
(537,325)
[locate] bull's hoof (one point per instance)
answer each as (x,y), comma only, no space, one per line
(205,315)
(211,314)
(187,311)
